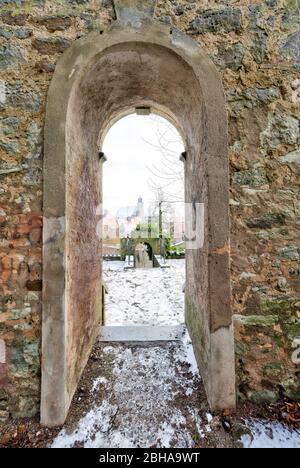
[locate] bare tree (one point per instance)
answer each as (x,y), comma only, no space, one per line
(167,180)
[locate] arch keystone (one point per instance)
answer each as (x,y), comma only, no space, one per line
(133,12)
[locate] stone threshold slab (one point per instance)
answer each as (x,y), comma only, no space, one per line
(140,333)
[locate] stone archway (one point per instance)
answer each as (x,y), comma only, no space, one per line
(154,244)
(138,63)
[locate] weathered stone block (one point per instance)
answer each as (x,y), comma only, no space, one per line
(32,353)
(292,329)
(292,159)
(179,10)
(251,97)
(12,18)
(133,11)
(282,284)
(10,55)
(34,138)
(267,95)
(166,19)
(279,306)
(290,48)
(229,57)
(256,320)
(18,96)
(23,33)
(10,169)
(6,32)
(267,221)
(33,175)
(256,21)
(45,66)
(254,177)
(51,45)
(218,20)
(291,252)
(18,314)
(259,48)
(10,147)
(282,129)
(20,33)
(55,23)
(27,407)
(290,16)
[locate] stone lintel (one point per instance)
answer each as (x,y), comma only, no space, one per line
(134,12)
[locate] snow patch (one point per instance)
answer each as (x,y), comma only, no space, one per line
(268,434)
(96,384)
(140,408)
(144,296)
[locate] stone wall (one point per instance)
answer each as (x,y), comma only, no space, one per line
(255,45)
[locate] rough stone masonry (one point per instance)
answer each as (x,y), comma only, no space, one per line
(256,47)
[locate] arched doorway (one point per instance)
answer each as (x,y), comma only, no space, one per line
(143,255)
(100,78)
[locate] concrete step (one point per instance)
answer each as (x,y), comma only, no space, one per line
(140,333)
(129,262)
(160,262)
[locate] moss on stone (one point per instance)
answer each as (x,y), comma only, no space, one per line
(277,338)
(272,370)
(264,396)
(256,320)
(241,348)
(293,394)
(292,330)
(278,306)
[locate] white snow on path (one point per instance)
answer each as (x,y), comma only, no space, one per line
(139,408)
(144,296)
(269,434)
(140,404)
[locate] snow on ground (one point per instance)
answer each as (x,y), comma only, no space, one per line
(147,400)
(267,434)
(140,407)
(150,395)
(144,296)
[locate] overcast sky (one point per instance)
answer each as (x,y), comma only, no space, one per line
(131,157)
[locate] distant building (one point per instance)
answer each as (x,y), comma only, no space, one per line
(110,235)
(128,217)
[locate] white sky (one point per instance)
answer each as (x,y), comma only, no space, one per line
(130,159)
